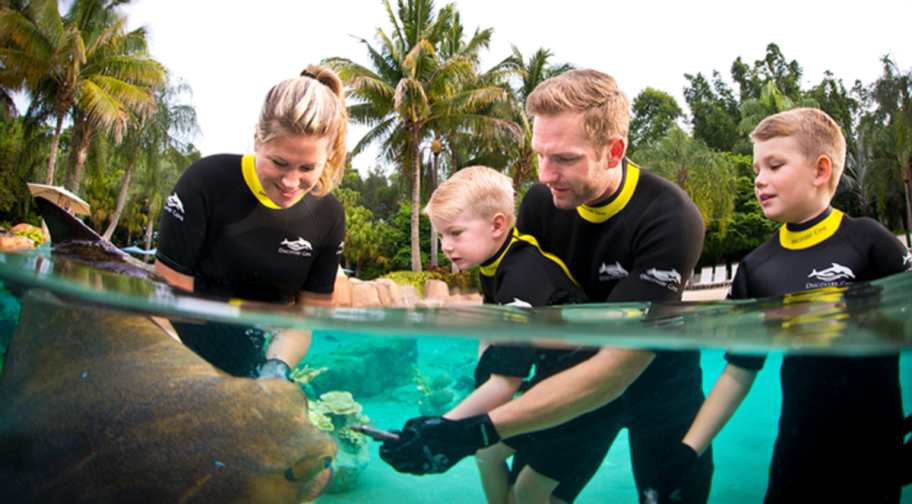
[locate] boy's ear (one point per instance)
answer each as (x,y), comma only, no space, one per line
(823,169)
(499,225)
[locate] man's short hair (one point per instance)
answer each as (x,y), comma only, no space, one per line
(605,108)
(480,189)
(817,135)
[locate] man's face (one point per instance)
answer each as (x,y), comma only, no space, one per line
(785,181)
(568,164)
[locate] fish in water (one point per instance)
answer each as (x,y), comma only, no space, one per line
(73,240)
(330,337)
(105,407)
(102,407)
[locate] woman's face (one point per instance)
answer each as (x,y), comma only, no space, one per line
(288,166)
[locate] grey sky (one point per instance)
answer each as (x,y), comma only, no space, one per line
(231,56)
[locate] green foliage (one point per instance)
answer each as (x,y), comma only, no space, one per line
(706,176)
(654,113)
(34,234)
(416,278)
(465,280)
(715,113)
(748,229)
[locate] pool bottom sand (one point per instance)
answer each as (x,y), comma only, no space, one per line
(741,454)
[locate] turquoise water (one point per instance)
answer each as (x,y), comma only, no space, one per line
(741,452)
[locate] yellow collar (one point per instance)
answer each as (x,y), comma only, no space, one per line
(248,167)
(597,215)
(797,240)
(490,269)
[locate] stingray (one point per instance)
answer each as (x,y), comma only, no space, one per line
(105,407)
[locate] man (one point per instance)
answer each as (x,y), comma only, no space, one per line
(625,235)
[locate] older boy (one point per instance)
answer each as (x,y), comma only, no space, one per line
(473,215)
(840,430)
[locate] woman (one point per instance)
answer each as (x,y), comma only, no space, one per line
(262,227)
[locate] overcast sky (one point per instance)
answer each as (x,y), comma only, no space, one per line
(231,56)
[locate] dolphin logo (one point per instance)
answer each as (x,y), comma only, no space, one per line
(298,245)
(175,203)
(341,248)
(833,273)
(613,272)
(665,276)
(907,261)
(519,303)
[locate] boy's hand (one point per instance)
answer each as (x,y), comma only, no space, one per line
(666,486)
(430,445)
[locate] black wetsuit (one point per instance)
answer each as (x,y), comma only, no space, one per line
(840,430)
(520,274)
(219,227)
(639,245)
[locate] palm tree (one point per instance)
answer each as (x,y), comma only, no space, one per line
(771,101)
(84,64)
(410,87)
(151,138)
(708,177)
(532,72)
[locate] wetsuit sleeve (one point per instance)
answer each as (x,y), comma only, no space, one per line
(331,220)
(512,360)
(888,255)
(666,250)
(740,289)
(183,223)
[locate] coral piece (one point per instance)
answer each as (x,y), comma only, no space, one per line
(338,403)
(303,376)
(323,422)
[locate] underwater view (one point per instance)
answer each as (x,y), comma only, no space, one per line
(76,339)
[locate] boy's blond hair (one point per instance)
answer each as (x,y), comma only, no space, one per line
(817,135)
(482,190)
(605,108)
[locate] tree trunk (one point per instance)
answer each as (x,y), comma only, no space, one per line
(81,152)
(49,180)
(120,202)
(149,228)
(415,131)
(434,231)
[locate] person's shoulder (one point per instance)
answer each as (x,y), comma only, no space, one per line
(216,162)
(863,228)
(760,255)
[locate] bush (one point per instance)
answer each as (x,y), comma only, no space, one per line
(465,280)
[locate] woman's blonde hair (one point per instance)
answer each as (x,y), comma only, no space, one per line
(310,105)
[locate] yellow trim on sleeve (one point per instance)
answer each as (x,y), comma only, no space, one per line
(797,240)
(248,167)
(598,215)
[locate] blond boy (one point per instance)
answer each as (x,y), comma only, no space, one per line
(840,430)
(473,215)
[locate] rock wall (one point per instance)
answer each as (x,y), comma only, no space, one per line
(383,292)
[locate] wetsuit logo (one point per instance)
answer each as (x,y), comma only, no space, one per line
(613,272)
(669,279)
(833,276)
(341,246)
(833,273)
(519,303)
(175,207)
(907,261)
(299,247)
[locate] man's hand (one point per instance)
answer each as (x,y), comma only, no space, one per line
(675,464)
(430,445)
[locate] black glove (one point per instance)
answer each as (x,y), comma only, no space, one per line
(429,445)
(675,464)
(274,368)
(905,460)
